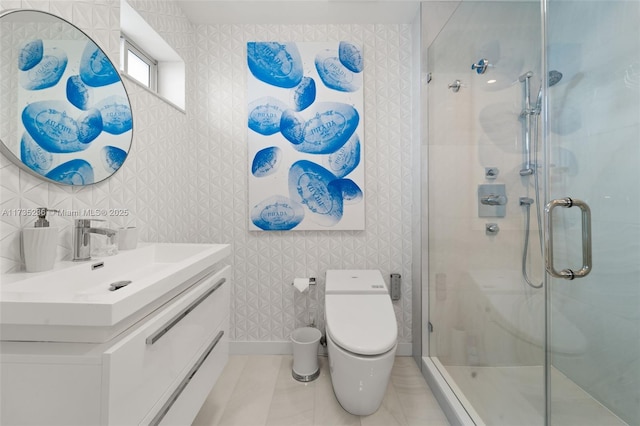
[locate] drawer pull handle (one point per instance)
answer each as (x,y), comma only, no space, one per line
(176,394)
(162,331)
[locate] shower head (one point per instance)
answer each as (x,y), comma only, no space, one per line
(554,78)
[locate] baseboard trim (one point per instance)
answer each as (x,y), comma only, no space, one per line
(285,348)
(260,348)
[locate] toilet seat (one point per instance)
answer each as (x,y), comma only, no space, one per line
(361,324)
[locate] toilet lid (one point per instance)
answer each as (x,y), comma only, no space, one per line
(362,324)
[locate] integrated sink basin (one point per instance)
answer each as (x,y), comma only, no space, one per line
(77,302)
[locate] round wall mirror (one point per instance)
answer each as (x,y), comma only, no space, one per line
(65,115)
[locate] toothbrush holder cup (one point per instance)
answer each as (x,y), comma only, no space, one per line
(127,238)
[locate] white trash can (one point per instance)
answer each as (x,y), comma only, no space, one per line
(305,353)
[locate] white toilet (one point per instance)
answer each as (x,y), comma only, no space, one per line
(362,335)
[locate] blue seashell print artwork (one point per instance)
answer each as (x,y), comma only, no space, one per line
(30,55)
(33,156)
(334,74)
(74,172)
(309,184)
(351,192)
(351,56)
(266,161)
(304,94)
(46,73)
(265,114)
(277,213)
(277,64)
(51,126)
(346,158)
(96,69)
(112,158)
(116,115)
(89,126)
(330,126)
(314,151)
(78,93)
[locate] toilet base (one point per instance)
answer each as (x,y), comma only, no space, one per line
(359,382)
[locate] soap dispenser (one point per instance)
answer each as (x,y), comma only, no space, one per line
(39,243)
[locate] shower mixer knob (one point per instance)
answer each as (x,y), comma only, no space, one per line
(493,200)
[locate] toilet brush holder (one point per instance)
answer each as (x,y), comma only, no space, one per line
(305,353)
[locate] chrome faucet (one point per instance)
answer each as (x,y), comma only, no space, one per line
(82,238)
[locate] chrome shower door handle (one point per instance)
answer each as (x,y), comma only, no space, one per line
(568,274)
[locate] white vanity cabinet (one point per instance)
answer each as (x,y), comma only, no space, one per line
(158,371)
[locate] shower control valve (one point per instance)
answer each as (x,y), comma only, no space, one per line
(493,200)
(491,228)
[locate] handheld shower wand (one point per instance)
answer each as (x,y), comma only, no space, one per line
(530,114)
(554,78)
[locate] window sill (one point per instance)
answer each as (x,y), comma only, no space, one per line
(156,94)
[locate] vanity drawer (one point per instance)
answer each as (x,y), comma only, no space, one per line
(182,403)
(139,369)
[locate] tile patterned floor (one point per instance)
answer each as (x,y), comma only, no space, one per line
(258,390)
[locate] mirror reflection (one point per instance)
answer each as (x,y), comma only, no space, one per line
(65,113)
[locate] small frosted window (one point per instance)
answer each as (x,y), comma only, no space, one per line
(138,68)
(138,64)
(147,58)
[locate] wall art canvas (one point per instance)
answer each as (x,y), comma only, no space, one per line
(305,136)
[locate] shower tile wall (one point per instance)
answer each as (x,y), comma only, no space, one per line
(185,179)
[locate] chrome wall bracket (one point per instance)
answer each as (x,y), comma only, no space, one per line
(491,173)
(481,66)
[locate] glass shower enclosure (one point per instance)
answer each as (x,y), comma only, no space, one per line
(534,210)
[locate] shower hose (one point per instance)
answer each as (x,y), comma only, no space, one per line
(525,250)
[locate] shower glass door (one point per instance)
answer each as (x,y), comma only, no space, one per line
(593,150)
(517,345)
(488,324)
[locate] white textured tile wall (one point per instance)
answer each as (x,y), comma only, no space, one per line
(264,305)
(185,179)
